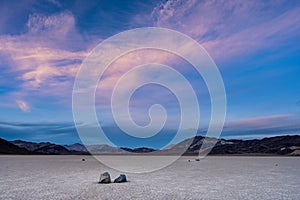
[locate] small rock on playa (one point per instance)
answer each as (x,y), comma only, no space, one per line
(105,178)
(121,179)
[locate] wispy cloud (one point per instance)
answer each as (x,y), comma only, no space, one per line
(42,52)
(46,57)
(245,27)
(23,105)
(262,122)
(57,132)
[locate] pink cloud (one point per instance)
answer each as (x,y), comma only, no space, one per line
(261,121)
(23,105)
(230,28)
(125,63)
(44,54)
(265,35)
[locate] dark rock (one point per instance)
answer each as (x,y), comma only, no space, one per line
(105,178)
(197,159)
(121,179)
(83,159)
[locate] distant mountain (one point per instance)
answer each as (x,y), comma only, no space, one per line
(9,148)
(193,145)
(76,147)
(53,149)
(45,148)
(138,150)
(30,146)
(169,146)
(280,145)
(104,148)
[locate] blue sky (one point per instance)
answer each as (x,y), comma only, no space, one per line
(255,45)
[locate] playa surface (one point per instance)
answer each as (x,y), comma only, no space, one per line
(68,177)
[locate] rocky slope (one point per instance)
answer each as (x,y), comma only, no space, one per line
(9,148)
(44,148)
(280,145)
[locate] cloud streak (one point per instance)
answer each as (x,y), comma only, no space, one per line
(262,122)
(45,59)
(246,26)
(23,106)
(38,55)
(57,132)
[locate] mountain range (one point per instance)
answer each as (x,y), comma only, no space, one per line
(279,145)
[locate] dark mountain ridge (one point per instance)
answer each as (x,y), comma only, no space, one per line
(279,145)
(9,148)
(138,150)
(45,148)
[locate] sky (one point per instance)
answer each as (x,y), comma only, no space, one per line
(255,45)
